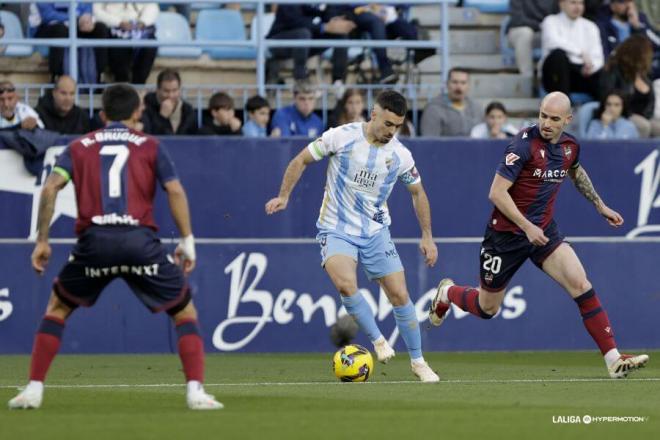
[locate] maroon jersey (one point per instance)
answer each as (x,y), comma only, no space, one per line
(114,171)
(537,168)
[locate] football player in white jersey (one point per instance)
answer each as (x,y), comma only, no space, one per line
(365,161)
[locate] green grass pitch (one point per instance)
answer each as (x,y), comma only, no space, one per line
(519,395)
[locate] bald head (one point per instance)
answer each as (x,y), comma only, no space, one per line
(64,94)
(554,116)
(557,103)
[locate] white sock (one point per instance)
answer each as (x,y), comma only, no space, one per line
(444,294)
(419,360)
(611,356)
(195,387)
(35,385)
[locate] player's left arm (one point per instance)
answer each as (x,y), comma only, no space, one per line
(178,201)
(423,212)
(41,253)
(586,188)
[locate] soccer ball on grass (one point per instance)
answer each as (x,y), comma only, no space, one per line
(353,363)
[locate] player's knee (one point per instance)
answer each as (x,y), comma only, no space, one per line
(581,286)
(346,287)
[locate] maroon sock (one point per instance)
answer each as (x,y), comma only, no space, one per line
(46,344)
(596,321)
(191,350)
(467,299)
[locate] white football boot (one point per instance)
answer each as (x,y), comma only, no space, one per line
(422,370)
(28,398)
(439,308)
(383,350)
(626,364)
(202,401)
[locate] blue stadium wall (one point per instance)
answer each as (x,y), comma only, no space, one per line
(259,286)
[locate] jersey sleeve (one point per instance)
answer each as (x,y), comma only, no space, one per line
(165,170)
(324,146)
(516,155)
(408,174)
(64,164)
(576,161)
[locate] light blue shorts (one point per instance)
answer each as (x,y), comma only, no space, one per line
(377,254)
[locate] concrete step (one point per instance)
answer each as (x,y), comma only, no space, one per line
(476,62)
(470,40)
(524,108)
(484,85)
(430,16)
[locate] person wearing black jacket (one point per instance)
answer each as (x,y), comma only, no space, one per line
(306,22)
(164,110)
(58,110)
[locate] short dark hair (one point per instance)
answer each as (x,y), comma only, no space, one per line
(168,75)
(457,69)
(255,103)
(393,101)
(221,100)
(120,102)
(495,105)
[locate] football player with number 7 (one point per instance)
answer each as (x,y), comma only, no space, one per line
(115,171)
(523,191)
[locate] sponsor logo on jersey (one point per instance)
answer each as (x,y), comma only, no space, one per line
(148,270)
(555,176)
(115,219)
(365,179)
(511,158)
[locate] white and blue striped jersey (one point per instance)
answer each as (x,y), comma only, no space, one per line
(360,178)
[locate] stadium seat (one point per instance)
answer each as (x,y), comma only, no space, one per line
(232,28)
(496,6)
(584,115)
(13,29)
(266,24)
(171,26)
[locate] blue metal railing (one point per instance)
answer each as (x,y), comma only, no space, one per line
(261,44)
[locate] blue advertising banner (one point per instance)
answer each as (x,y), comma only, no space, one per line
(259,285)
(276,298)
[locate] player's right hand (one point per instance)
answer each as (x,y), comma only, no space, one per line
(276,204)
(184,254)
(40,256)
(536,236)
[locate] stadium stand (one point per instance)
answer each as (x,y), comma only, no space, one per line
(171,26)
(13,29)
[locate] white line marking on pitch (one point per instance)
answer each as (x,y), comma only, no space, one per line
(406,382)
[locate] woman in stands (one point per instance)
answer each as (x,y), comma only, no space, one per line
(496,125)
(611,119)
(350,108)
(628,70)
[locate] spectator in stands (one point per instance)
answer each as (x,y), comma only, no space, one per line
(14,114)
(130,21)
(164,110)
(496,125)
(58,110)
(306,22)
(572,52)
(453,114)
(373,20)
(350,108)
(524,29)
(628,70)
(611,119)
(258,111)
(223,119)
(299,118)
(53,22)
(620,19)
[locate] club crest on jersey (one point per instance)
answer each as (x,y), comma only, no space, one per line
(511,158)
(388,163)
(568,151)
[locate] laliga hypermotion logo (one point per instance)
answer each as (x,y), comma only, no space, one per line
(649,197)
(15,178)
